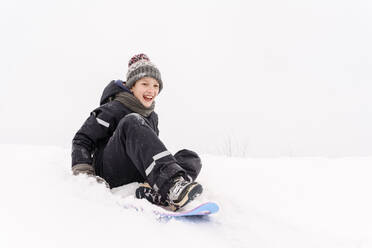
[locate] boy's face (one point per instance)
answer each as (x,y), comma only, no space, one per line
(145,90)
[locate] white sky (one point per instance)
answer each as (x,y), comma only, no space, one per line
(270,77)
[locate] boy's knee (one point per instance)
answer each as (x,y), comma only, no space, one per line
(132,119)
(189,161)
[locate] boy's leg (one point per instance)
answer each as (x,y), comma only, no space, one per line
(135,152)
(190,162)
(117,168)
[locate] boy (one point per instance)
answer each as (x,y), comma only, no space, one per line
(119,142)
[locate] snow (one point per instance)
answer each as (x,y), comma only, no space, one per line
(287,78)
(281,202)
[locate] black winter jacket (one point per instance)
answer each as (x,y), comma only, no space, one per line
(90,141)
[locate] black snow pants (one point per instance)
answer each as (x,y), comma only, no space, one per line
(135,153)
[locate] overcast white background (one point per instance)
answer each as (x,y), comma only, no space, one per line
(265,78)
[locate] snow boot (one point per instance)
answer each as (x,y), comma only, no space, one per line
(182,192)
(145,191)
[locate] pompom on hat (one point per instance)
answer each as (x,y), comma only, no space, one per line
(140,66)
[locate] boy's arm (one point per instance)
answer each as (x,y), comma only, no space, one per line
(156,123)
(98,126)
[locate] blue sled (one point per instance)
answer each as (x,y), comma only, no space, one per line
(201,210)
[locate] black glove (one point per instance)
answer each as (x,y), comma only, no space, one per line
(83,169)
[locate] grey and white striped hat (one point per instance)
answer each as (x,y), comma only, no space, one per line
(140,66)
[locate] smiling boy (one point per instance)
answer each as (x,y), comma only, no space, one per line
(119,142)
(145,90)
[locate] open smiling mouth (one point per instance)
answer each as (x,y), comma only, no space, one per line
(148,98)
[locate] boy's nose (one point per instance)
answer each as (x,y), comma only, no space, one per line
(150,92)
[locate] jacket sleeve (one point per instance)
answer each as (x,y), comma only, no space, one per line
(99,125)
(155,123)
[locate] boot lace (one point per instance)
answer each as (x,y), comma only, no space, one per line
(179,185)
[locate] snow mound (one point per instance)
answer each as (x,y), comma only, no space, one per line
(284,202)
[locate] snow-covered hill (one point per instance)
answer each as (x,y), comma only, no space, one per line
(286,202)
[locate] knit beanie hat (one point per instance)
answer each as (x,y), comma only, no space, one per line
(140,66)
